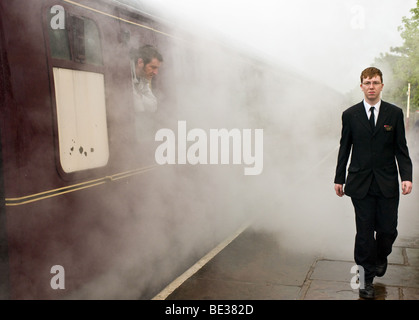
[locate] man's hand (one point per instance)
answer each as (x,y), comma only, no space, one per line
(339,189)
(406,187)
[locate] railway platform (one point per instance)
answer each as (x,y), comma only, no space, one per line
(254,266)
(258,263)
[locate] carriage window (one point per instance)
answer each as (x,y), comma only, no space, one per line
(93,52)
(81,115)
(79,86)
(74,38)
(58,37)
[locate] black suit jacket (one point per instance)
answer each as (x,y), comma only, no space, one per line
(374,152)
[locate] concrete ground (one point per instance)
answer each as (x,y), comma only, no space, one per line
(255,267)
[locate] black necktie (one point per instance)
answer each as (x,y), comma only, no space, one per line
(372,119)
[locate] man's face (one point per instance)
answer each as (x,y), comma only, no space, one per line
(149,70)
(372,88)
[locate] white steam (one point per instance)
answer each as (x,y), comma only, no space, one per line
(313,52)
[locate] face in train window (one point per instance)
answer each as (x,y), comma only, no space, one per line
(73,38)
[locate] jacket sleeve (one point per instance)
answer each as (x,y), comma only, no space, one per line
(401,150)
(344,150)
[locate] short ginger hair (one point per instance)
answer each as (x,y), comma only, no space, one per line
(370,73)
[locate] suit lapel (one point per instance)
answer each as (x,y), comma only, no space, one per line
(382,116)
(361,115)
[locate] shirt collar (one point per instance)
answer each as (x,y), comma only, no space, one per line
(368,106)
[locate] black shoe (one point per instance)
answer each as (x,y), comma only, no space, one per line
(381,268)
(367,292)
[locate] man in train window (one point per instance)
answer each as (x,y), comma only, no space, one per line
(144,67)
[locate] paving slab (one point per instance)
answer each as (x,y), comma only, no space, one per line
(331,279)
(400,276)
(331,270)
(407,242)
(335,290)
(397,256)
(410,294)
(412,255)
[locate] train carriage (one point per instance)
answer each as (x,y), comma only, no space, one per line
(86,208)
(77,181)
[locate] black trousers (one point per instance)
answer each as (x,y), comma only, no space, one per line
(376,229)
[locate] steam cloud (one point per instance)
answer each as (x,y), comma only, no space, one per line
(187,210)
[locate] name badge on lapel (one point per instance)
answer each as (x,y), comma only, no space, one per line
(388,127)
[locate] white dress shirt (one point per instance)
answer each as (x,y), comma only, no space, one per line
(376,110)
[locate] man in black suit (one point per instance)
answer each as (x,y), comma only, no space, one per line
(374,132)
